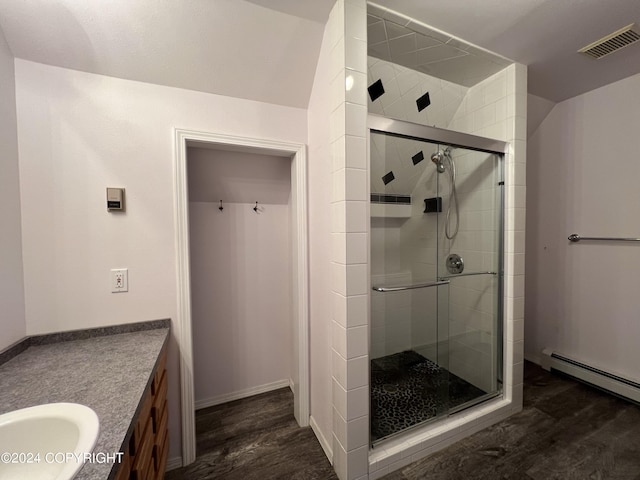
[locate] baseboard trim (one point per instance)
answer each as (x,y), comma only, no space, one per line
(247,392)
(173,463)
(326,446)
(533,358)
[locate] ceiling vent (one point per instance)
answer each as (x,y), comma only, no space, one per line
(611,43)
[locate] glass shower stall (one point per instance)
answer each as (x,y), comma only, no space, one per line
(436,238)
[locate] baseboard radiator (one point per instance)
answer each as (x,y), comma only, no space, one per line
(615,384)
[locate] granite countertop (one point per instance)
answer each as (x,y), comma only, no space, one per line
(107,373)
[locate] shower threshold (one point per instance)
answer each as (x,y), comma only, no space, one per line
(408,390)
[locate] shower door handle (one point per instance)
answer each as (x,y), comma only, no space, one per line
(410,287)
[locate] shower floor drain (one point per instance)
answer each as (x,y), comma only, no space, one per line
(389,388)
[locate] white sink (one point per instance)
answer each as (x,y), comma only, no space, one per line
(37,443)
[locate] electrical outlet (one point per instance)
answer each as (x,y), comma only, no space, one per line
(119,280)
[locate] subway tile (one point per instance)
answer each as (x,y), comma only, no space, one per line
(339,278)
(339,182)
(358,465)
(339,369)
(357,403)
(357,371)
(339,459)
(355,54)
(339,308)
(356,247)
(355,85)
(338,153)
(337,124)
(356,183)
(357,218)
(339,396)
(357,311)
(357,341)
(337,90)
(357,281)
(358,432)
(355,20)
(356,152)
(355,120)
(338,216)
(339,247)
(339,427)
(337,58)
(339,338)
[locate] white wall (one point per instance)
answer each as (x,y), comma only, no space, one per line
(319,207)
(582,299)
(240,297)
(12,319)
(79,133)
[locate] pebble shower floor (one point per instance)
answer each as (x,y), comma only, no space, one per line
(408,389)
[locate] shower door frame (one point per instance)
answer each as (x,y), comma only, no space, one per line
(425,133)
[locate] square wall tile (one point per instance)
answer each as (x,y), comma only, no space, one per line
(358,433)
(338,192)
(356,152)
(337,123)
(339,459)
(355,120)
(357,372)
(357,340)
(355,85)
(339,309)
(357,403)
(355,54)
(356,184)
(339,247)
(340,428)
(357,315)
(339,369)
(356,216)
(357,281)
(338,217)
(337,58)
(339,339)
(339,278)
(356,247)
(339,396)
(355,21)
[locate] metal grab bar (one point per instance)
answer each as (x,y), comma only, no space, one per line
(574,237)
(467,275)
(410,287)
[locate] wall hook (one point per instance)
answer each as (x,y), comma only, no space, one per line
(255,209)
(220,207)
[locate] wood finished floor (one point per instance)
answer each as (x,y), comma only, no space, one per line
(255,438)
(566,431)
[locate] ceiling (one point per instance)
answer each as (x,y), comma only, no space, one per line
(542,34)
(267,50)
(230,47)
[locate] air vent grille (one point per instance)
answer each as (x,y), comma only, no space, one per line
(611,43)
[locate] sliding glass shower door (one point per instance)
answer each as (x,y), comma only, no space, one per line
(435,269)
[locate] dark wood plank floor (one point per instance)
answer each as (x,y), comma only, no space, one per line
(566,431)
(255,438)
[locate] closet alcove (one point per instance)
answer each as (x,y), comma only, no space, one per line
(241,270)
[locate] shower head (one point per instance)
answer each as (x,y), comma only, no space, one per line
(437,158)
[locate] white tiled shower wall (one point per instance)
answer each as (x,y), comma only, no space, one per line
(491,109)
(347,33)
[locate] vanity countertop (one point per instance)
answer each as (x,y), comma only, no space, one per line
(108,373)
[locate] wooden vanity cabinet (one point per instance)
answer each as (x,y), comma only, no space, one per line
(146,457)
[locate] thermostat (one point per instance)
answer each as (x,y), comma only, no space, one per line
(115,199)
